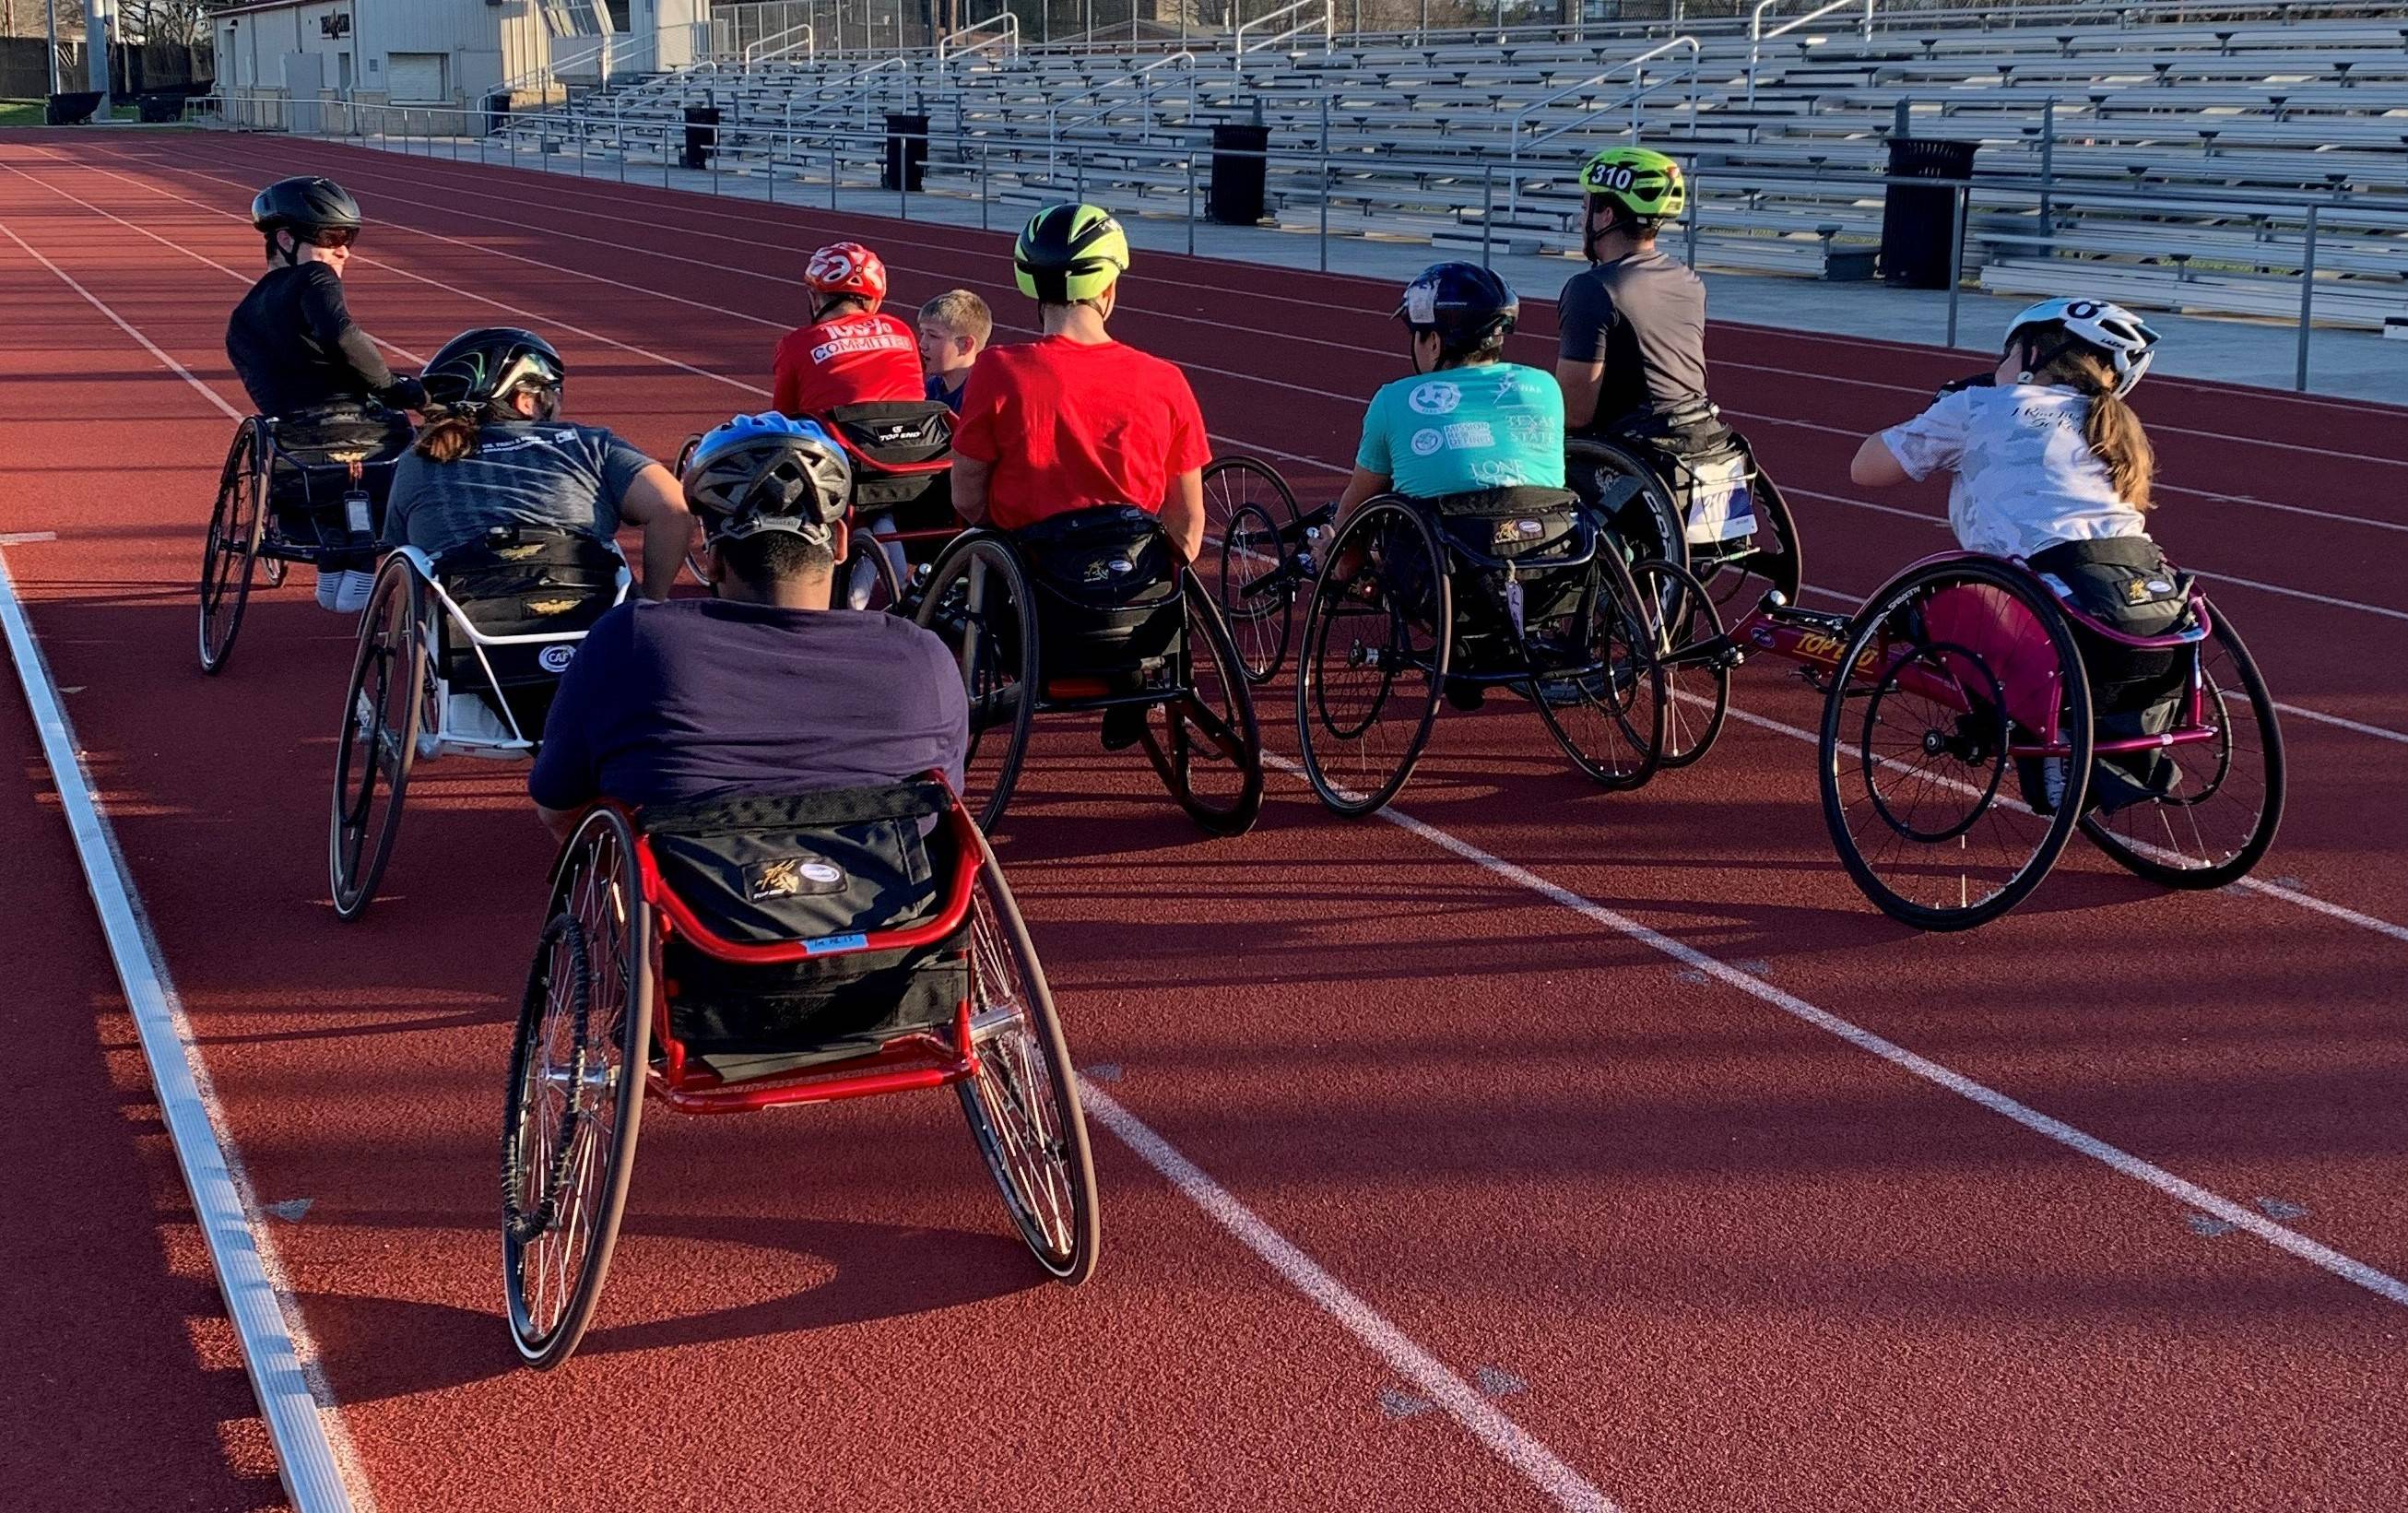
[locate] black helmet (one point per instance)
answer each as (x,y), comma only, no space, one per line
(479,368)
(1471,308)
(313,209)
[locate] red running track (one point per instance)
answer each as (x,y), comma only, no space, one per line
(1624,1110)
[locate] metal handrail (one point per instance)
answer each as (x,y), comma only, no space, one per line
(1055,125)
(820,95)
(783,48)
(1003,27)
(1639,90)
(1240,46)
(1757,36)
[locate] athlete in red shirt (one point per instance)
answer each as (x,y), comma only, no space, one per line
(1075,420)
(853,353)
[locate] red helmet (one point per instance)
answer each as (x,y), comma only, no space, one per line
(847,267)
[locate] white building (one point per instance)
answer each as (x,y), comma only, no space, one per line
(455,53)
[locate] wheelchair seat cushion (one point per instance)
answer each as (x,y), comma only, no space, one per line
(1106,589)
(823,868)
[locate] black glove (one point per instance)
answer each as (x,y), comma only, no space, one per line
(405,393)
(1979,381)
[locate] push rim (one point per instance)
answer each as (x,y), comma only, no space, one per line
(383,708)
(231,552)
(1607,711)
(1373,661)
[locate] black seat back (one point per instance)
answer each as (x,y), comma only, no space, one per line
(1106,590)
(524,581)
(884,439)
(1545,535)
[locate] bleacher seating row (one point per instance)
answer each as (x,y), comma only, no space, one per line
(2180,160)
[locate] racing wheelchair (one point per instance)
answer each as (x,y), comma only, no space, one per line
(1423,600)
(1974,719)
(278,505)
(752,953)
(458,655)
(1083,612)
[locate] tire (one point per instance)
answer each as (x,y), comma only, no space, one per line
(1390,617)
(1944,870)
(1251,528)
(1689,642)
(995,646)
(231,552)
(575,1097)
(1608,714)
(2184,840)
(1211,731)
(383,710)
(1649,526)
(1023,1104)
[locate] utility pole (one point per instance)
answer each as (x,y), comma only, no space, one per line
(95,53)
(50,23)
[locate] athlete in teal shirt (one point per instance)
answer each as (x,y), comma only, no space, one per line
(1465,421)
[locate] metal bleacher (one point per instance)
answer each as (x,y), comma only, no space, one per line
(2185,163)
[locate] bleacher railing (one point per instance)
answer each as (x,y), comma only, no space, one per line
(1148,88)
(1638,94)
(778,45)
(834,157)
(996,35)
(1757,36)
(858,88)
(1304,17)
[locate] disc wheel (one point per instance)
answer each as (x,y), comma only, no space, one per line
(575,1096)
(1251,527)
(1630,500)
(382,711)
(1023,1104)
(2217,815)
(1205,744)
(1937,821)
(231,552)
(1602,689)
(1377,638)
(977,600)
(1689,642)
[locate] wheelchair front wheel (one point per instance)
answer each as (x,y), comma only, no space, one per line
(977,601)
(383,709)
(575,1097)
(1208,747)
(230,554)
(1377,638)
(1022,1102)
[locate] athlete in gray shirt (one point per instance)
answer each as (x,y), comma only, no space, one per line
(1633,326)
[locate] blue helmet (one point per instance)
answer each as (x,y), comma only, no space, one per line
(1470,307)
(766,473)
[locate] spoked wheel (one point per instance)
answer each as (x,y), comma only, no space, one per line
(868,574)
(1250,522)
(1206,744)
(1738,580)
(1939,799)
(978,601)
(1637,510)
(693,553)
(1022,1104)
(382,711)
(231,553)
(2218,802)
(1376,642)
(576,1091)
(1603,690)
(1696,660)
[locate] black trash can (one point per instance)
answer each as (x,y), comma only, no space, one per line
(906,153)
(1917,221)
(701,135)
(497,114)
(1238,164)
(70,110)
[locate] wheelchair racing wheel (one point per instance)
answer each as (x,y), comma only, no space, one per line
(231,553)
(1649,524)
(1376,643)
(1939,817)
(2222,799)
(1022,1102)
(575,1097)
(383,710)
(1250,516)
(1206,744)
(1689,642)
(1603,695)
(977,601)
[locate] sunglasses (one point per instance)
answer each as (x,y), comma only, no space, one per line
(333,237)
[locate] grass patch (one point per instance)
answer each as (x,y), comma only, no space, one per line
(29,113)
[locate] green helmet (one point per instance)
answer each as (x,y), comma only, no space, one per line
(1069,253)
(1643,185)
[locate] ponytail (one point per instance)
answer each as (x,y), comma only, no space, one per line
(449,433)
(2111,428)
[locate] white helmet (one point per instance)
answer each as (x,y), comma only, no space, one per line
(2112,329)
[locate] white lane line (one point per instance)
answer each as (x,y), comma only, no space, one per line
(26,538)
(2381,1284)
(1512,1444)
(1507,1439)
(313,1453)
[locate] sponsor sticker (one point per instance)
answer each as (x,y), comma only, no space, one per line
(556,658)
(834,942)
(1470,436)
(1427,442)
(1435,399)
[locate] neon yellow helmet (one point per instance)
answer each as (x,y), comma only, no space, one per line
(1643,185)
(1069,253)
